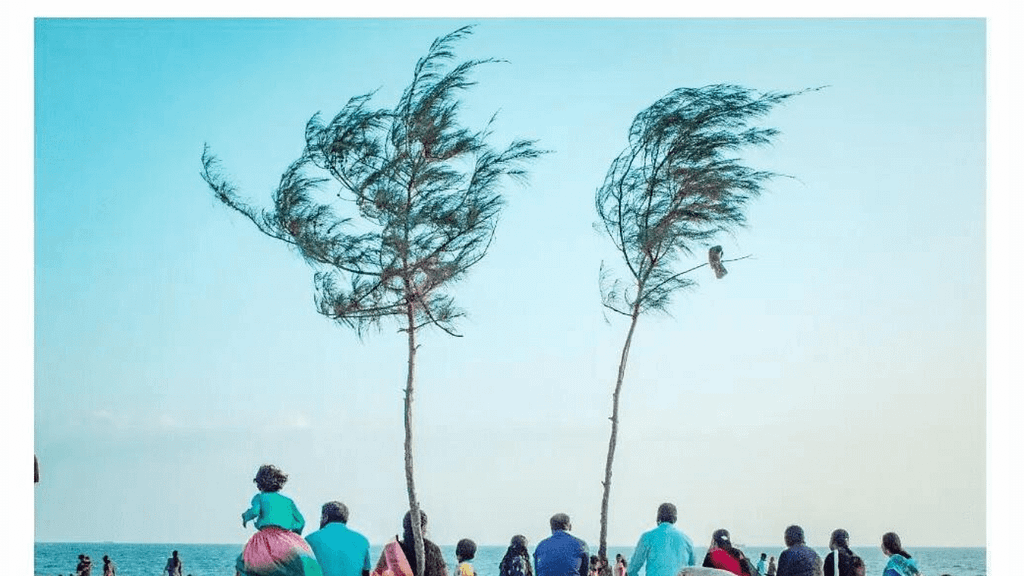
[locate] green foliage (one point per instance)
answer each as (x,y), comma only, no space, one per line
(419,198)
(677,185)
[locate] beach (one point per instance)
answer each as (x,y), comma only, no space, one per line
(52,559)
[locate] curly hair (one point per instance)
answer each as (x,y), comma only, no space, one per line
(270,478)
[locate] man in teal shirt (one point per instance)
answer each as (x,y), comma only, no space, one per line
(339,550)
(665,550)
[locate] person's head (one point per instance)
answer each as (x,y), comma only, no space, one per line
(519,543)
(771,559)
(174,553)
(794,535)
(720,539)
(106,559)
(763,555)
(465,549)
(891,545)
(407,524)
(81,556)
(560,521)
(667,513)
(858,566)
(333,511)
(269,478)
(840,540)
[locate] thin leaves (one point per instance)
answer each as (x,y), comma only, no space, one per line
(418,197)
(678,184)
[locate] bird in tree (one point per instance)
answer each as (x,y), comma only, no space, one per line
(390,207)
(675,187)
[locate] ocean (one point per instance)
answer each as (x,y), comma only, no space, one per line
(60,558)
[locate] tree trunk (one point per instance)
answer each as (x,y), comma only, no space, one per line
(602,550)
(414,506)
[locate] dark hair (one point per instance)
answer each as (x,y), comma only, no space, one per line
(891,542)
(593,562)
(763,555)
(407,534)
(333,511)
(516,548)
(721,539)
(465,549)
(841,539)
(667,513)
(794,535)
(433,561)
(560,521)
(269,478)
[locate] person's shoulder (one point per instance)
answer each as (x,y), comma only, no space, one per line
(358,536)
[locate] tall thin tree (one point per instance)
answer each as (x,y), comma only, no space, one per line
(676,186)
(414,204)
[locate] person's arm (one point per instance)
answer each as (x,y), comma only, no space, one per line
(366,561)
(253,512)
(584,560)
(638,559)
(298,521)
(708,563)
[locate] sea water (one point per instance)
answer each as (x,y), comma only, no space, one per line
(53,558)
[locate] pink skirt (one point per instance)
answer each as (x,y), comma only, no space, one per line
(274,551)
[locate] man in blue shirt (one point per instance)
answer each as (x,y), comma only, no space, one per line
(665,550)
(339,550)
(561,554)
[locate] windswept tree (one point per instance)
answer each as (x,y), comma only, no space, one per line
(390,207)
(675,188)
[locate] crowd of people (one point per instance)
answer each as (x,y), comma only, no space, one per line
(84,566)
(277,548)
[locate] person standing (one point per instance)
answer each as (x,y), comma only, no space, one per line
(339,550)
(561,554)
(109,568)
(771,567)
(760,563)
(84,567)
(620,565)
(664,550)
(173,567)
(798,559)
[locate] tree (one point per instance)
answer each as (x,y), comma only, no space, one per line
(423,193)
(675,186)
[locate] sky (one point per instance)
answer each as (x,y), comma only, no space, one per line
(837,377)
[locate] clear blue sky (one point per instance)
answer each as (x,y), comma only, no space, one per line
(836,378)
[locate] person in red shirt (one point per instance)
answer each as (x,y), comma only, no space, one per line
(724,556)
